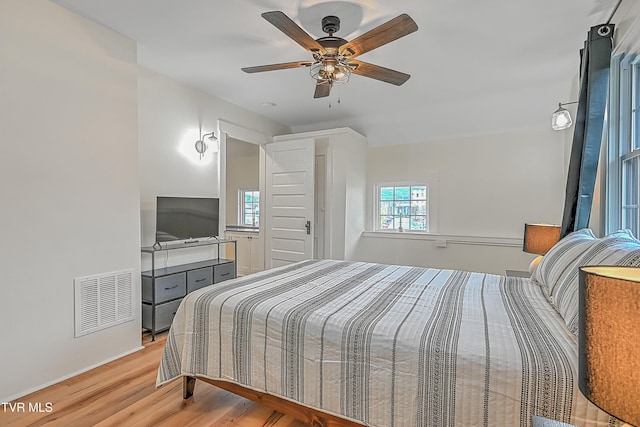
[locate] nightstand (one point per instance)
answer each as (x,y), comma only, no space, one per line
(537,421)
(518,273)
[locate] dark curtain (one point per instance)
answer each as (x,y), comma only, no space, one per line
(587,135)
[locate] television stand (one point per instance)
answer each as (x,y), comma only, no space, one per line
(164,288)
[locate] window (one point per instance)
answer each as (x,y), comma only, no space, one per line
(623,153)
(402,207)
(249,207)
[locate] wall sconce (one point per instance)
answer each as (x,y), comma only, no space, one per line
(561,119)
(538,239)
(609,339)
(201,145)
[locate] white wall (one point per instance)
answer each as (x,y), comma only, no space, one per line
(170,115)
(348,193)
(489,186)
(627,34)
(70,188)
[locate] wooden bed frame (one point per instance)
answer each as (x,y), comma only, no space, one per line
(313,417)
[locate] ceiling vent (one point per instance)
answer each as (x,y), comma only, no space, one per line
(102,301)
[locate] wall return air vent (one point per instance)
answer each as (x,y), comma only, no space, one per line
(102,301)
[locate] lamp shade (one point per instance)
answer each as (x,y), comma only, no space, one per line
(539,238)
(609,339)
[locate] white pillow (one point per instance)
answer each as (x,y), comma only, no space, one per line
(561,260)
(618,248)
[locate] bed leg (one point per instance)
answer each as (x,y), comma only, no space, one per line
(188,386)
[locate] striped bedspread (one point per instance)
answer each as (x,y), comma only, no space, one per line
(386,345)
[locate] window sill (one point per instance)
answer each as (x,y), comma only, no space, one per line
(246,228)
(446,238)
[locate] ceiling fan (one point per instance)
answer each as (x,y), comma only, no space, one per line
(334,57)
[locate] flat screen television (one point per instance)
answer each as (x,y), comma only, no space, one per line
(186,218)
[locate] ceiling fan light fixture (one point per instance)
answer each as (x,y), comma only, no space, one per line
(331,71)
(329,66)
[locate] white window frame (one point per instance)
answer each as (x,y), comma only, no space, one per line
(623,143)
(241,206)
(431,182)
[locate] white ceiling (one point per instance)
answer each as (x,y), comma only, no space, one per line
(477,67)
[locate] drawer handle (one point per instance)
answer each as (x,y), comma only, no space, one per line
(225,274)
(201,280)
(172,287)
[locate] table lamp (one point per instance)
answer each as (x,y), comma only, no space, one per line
(538,239)
(609,339)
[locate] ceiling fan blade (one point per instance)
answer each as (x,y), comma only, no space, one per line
(391,30)
(291,29)
(322,90)
(272,67)
(379,73)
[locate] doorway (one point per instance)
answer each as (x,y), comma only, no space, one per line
(246,147)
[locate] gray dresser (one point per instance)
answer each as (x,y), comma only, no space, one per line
(164,288)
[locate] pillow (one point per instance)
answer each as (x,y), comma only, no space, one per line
(618,248)
(561,260)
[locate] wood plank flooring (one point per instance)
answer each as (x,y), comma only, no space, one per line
(123,393)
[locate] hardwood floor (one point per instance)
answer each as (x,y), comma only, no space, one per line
(123,393)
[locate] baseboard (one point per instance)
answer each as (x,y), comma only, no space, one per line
(66,377)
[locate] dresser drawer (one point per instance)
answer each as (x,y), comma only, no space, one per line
(167,287)
(223,272)
(164,315)
(199,278)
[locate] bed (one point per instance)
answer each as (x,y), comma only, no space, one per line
(355,343)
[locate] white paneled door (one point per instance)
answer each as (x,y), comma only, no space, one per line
(289,202)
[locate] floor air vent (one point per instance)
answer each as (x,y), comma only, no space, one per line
(102,301)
